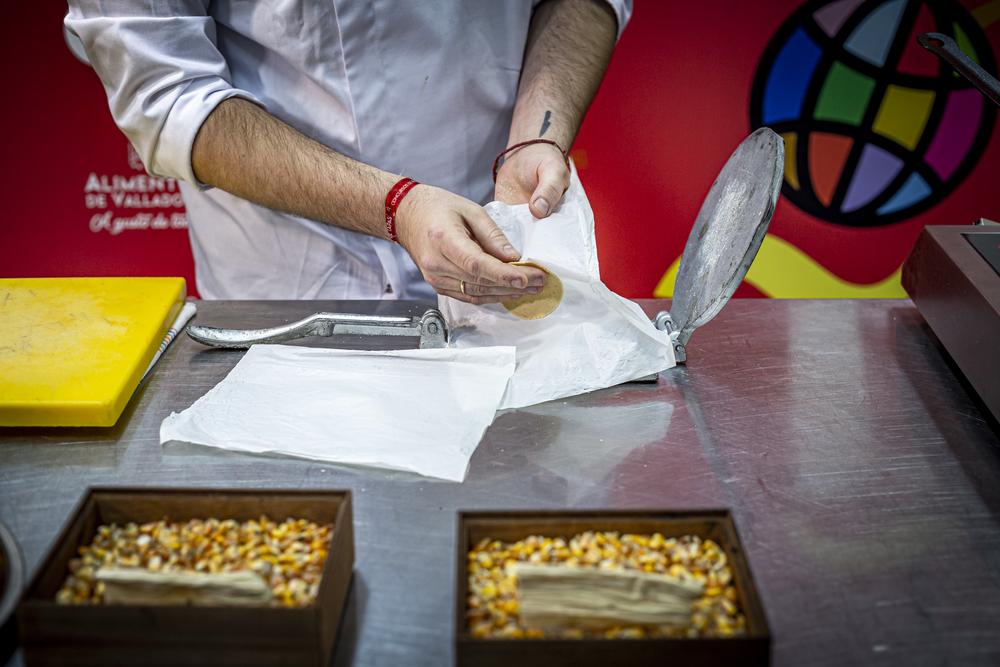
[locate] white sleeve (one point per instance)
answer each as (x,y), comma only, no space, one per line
(622,10)
(161,70)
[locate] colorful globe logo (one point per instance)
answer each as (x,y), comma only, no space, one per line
(876,129)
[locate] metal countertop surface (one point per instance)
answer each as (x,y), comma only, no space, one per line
(864,482)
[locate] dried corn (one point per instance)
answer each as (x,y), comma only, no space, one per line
(492,602)
(289,555)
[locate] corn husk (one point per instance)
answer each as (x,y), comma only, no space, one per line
(136,586)
(558,596)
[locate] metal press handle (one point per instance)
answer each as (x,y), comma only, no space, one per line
(430,327)
(945,48)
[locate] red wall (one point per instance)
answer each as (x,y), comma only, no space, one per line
(672,108)
(58,131)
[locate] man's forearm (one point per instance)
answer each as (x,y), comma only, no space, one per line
(460,251)
(568,49)
(245,151)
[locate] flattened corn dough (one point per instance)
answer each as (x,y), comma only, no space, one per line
(537,306)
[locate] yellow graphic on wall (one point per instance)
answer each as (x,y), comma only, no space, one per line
(782,271)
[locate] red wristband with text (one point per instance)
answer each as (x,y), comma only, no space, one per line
(392,201)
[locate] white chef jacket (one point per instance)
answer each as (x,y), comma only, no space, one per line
(421,88)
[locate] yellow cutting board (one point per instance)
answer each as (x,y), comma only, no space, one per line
(72,350)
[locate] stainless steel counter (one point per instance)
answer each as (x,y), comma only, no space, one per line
(863,481)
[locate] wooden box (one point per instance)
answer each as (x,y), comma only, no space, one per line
(54,634)
(752,648)
(11,583)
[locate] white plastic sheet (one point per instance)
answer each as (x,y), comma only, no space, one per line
(594,339)
(422,411)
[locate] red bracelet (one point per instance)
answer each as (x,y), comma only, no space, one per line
(392,200)
(496,163)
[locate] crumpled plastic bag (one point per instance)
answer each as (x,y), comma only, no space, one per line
(594,339)
(422,411)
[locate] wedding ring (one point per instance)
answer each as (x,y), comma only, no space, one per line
(461,284)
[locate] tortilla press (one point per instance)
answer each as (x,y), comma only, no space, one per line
(723,243)
(726,236)
(952,274)
(945,48)
(429,326)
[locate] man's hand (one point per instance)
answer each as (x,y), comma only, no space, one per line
(452,239)
(568,49)
(535,175)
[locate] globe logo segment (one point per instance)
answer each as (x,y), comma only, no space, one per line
(876,130)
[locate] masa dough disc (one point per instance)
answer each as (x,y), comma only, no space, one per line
(537,306)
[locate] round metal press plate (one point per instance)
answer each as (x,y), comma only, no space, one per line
(729,230)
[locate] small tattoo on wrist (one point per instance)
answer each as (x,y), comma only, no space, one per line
(545,123)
